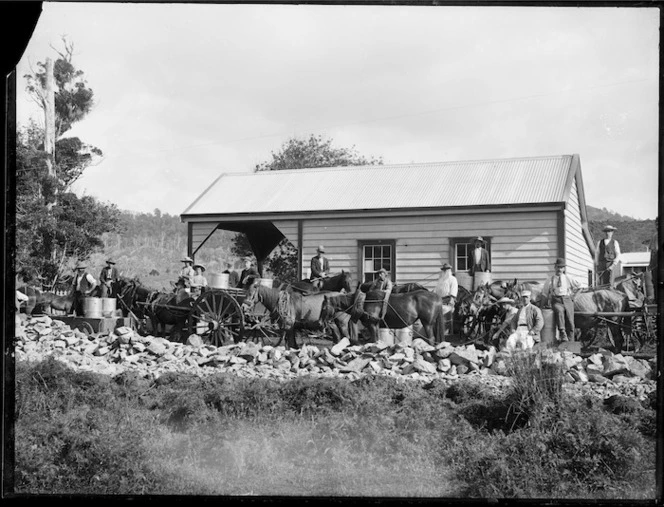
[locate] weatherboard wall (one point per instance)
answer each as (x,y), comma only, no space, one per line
(577,253)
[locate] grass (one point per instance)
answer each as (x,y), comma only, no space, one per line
(80,433)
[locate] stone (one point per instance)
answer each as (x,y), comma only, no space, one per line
(594,369)
(138,346)
(499,367)
(397,358)
(624,379)
(60,344)
(408,369)
(579,375)
(101,351)
(420,345)
(597,379)
(461,356)
(462,369)
(490,356)
(637,368)
(409,353)
(339,347)
(195,341)
(157,348)
(444,365)
(424,366)
(71,340)
(614,365)
(356,365)
(249,351)
(595,359)
(376,366)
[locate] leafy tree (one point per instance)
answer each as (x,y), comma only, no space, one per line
(299,153)
(54,227)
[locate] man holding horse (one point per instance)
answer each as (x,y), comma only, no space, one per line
(559,290)
(607,255)
(320,267)
(83,284)
(108,278)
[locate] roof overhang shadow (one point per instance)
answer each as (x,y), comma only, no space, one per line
(262,235)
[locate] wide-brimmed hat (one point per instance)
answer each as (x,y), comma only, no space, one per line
(560,262)
(382,270)
(199,266)
(320,249)
(187,259)
(609,228)
(479,238)
(525,293)
(110,261)
(81,265)
(505,299)
(446,266)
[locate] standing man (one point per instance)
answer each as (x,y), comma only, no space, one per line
(83,284)
(248,271)
(525,325)
(478,258)
(233,277)
(320,267)
(558,290)
(607,255)
(383,283)
(447,288)
(107,278)
(187,272)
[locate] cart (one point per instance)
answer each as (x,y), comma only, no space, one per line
(90,325)
(219,316)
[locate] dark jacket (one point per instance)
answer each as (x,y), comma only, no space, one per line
(247,272)
(108,274)
(484,265)
(315,267)
(534,319)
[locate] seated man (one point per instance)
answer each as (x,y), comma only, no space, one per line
(198,282)
(525,325)
(320,267)
(507,313)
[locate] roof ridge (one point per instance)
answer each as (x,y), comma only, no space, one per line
(399,165)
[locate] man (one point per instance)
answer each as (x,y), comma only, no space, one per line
(198,282)
(607,255)
(383,283)
(249,271)
(558,290)
(83,284)
(525,325)
(233,277)
(507,312)
(187,272)
(478,258)
(320,267)
(447,286)
(107,278)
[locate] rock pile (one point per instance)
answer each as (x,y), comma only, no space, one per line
(603,373)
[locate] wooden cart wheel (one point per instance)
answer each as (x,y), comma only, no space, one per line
(85,327)
(259,328)
(217,317)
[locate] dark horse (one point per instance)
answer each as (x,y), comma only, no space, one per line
(170,308)
(46,302)
(291,310)
(403,310)
(336,283)
(132,299)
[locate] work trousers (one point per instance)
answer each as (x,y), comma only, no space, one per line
(563,312)
(604,277)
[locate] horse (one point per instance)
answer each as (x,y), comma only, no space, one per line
(407,287)
(290,309)
(132,299)
(336,283)
(34,297)
(169,308)
(595,300)
(402,311)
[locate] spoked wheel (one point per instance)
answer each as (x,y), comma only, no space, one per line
(85,327)
(259,328)
(217,317)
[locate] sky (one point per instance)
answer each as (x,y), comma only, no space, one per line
(185,92)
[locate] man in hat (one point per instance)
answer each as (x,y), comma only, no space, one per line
(187,272)
(478,258)
(507,312)
(248,272)
(198,281)
(558,291)
(607,256)
(447,286)
(83,284)
(107,279)
(383,283)
(525,325)
(320,267)
(233,276)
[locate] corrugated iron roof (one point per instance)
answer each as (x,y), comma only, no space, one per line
(428,185)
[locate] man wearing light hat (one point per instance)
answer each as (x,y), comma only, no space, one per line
(607,256)
(187,272)
(558,290)
(447,288)
(525,325)
(320,267)
(107,279)
(383,283)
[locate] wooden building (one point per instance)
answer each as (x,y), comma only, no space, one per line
(409,218)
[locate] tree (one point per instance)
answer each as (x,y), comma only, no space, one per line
(54,226)
(314,151)
(297,153)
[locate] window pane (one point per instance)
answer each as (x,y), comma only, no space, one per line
(367,251)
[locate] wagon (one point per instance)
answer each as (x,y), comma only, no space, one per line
(218,316)
(90,325)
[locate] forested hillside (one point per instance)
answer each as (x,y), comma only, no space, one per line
(631,233)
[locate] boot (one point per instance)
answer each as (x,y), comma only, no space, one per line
(563,336)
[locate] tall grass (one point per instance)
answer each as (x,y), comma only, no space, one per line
(224,435)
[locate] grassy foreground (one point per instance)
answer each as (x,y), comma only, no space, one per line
(81,433)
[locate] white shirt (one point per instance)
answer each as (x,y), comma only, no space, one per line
(478,255)
(447,286)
